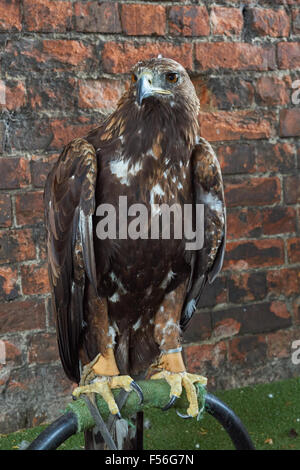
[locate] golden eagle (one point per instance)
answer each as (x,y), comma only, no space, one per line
(121,303)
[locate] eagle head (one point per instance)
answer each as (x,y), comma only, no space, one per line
(163,81)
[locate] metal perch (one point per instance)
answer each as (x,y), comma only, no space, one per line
(156,394)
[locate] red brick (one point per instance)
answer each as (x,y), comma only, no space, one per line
(199,328)
(293,248)
(273,91)
(268,22)
(226,328)
(52,93)
(35,279)
(200,355)
(291,189)
(5,210)
(279,343)
(13,353)
(189,21)
(234,56)
(30,208)
(22,315)
(64,131)
(279,219)
(227,21)
(254,254)
(296,20)
(283,281)
(288,55)
(15,95)
(100,94)
(9,288)
(46,15)
(245,287)
(244,222)
(16,245)
(10,15)
(15,173)
(66,51)
(247,350)
(236,158)
(94,17)
(289,123)
(143,20)
(42,348)
(253,192)
(236,125)
(40,168)
(120,57)
(276,158)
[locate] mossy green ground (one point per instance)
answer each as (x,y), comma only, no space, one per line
(270,412)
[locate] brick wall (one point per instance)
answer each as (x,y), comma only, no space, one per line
(64,65)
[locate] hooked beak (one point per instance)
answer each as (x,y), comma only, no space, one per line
(144,89)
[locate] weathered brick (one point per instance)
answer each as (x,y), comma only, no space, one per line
(22,315)
(15,95)
(256,318)
(279,219)
(189,21)
(10,15)
(200,355)
(100,94)
(15,173)
(273,90)
(296,20)
(16,245)
(226,329)
(268,22)
(223,93)
(35,279)
(278,157)
(291,189)
(68,52)
(119,57)
(254,254)
(143,20)
(289,122)
(236,158)
(246,287)
(244,222)
(228,21)
(5,210)
(64,130)
(13,353)
(283,281)
(214,294)
(30,208)
(46,16)
(51,92)
(42,348)
(94,17)
(234,56)
(253,192)
(199,328)
(40,168)
(248,350)
(279,343)
(30,132)
(9,287)
(288,55)
(293,248)
(236,125)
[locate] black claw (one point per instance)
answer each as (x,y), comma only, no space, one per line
(183,416)
(118,415)
(171,403)
(138,390)
(74,398)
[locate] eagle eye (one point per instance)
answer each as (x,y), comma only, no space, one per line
(133,78)
(172,77)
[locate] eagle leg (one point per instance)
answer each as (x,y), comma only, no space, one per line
(173,371)
(170,363)
(101,376)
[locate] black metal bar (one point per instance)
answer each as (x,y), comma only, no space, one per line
(55,434)
(230,422)
(65,426)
